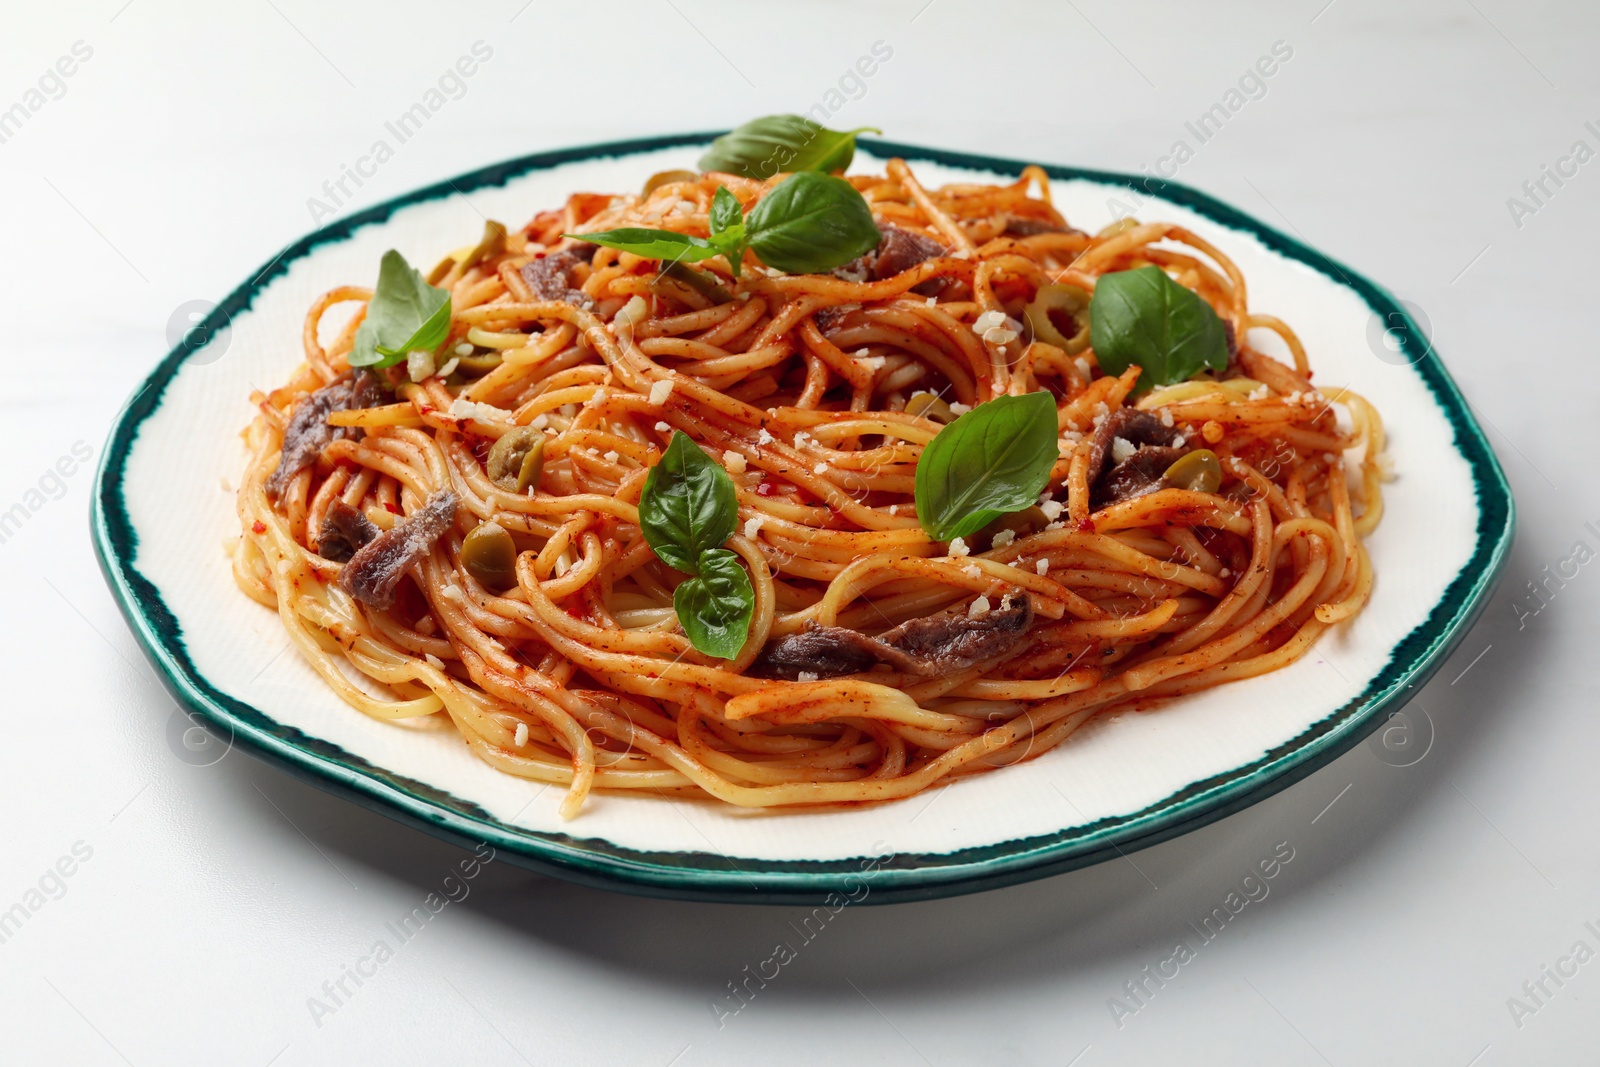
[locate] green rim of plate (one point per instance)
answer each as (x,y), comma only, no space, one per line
(714,877)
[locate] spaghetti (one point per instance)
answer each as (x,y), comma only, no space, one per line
(816,393)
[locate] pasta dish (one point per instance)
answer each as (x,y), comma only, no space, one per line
(796,490)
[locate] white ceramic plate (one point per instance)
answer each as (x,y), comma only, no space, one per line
(162,511)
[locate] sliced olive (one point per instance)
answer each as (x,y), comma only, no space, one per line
(701,282)
(1022,523)
(479,364)
(517,460)
(929,406)
(490,556)
(1059,315)
(666,177)
(1199,471)
(492,244)
(532,468)
(440,269)
(1120,226)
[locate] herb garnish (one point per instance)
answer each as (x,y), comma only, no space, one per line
(1143,317)
(809,224)
(991,461)
(687,511)
(405,314)
(777,143)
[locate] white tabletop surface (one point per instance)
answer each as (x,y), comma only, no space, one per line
(207,905)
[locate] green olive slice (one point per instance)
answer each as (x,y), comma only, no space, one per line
(929,406)
(1059,315)
(532,468)
(492,244)
(490,556)
(517,460)
(674,275)
(666,177)
(1022,523)
(1198,471)
(479,364)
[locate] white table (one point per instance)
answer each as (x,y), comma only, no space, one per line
(208,904)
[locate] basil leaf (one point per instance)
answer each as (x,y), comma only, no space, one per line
(726,213)
(727,227)
(405,314)
(652,244)
(810,224)
(1143,317)
(993,460)
(687,507)
(716,606)
(778,143)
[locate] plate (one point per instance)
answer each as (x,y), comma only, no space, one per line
(162,511)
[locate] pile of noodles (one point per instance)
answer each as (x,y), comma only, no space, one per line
(580,674)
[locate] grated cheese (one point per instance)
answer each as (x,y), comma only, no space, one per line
(1121,449)
(734,461)
(959,408)
(1004,538)
(419,366)
(958,547)
(522,735)
(471,409)
(613,456)
(663,427)
(979,607)
(764,438)
(660,390)
(989,320)
(1042,567)
(1052,509)
(752,526)
(820,468)
(809,676)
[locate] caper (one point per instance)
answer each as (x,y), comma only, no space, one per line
(1059,315)
(674,275)
(1198,471)
(517,460)
(665,177)
(929,406)
(490,556)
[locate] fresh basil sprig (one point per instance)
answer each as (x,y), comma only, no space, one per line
(777,143)
(687,511)
(715,606)
(991,461)
(1143,317)
(809,224)
(405,314)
